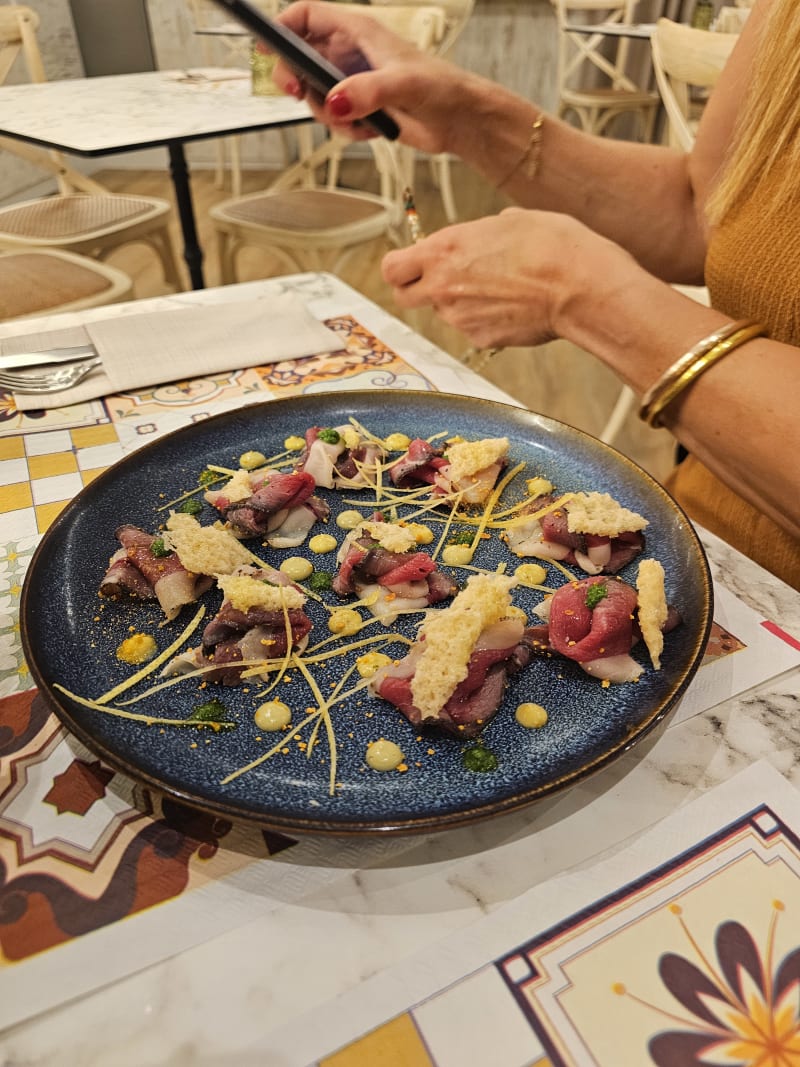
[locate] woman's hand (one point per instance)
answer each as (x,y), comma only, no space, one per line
(517,278)
(421,92)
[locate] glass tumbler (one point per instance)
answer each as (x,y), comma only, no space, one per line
(261,67)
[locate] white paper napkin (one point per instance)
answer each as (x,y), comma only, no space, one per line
(166,346)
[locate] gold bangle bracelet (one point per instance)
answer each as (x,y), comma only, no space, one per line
(689,368)
(674,372)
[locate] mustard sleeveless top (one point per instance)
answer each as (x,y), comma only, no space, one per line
(752,271)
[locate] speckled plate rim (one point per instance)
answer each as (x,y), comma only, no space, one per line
(295,824)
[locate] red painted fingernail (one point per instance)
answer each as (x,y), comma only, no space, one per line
(339,105)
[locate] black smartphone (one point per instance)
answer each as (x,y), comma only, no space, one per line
(302,58)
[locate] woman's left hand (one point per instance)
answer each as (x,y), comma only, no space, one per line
(509,279)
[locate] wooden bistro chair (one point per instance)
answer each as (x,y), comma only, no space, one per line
(83,216)
(38,281)
(685,59)
(305,221)
(441,43)
(306,218)
(593,79)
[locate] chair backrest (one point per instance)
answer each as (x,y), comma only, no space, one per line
(18,26)
(424,25)
(586,58)
(456,13)
(683,58)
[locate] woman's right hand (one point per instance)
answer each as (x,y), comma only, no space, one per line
(420,92)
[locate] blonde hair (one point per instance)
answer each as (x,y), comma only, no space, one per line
(768,128)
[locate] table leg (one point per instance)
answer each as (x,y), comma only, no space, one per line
(192,252)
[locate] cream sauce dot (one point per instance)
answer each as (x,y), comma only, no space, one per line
(530,574)
(531,716)
(384,755)
(348,520)
(457,555)
(250,460)
(397,442)
(297,568)
(344,621)
(371,662)
(423,535)
(138,648)
(321,543)
(272,716)
(294,444)
(539,486)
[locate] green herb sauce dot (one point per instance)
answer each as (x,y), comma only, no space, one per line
(595,593)
(478,758)
(319,581)
(191,507)
(212,711)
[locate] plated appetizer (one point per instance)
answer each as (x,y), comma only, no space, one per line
(379,562)
(280,508)
(262,618)
(146,568)
(469,468)
(454,676)
(339,457)
(597,621)
(448,673)
(589,530)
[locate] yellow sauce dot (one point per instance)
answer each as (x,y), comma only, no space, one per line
(384,755)
(250,460)
(530,574)
(294,444)
(371,662)
(423,535)
(539,486)
(531,716)
(297,568)
(348,520)
(457,555)
(397,442)
(137,649)
(322,543)
(344,621)
(272,715)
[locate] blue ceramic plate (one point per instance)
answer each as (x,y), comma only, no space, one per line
(68,640)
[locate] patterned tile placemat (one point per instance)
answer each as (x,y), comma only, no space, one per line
(683,949)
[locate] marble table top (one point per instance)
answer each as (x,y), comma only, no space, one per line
(218,1002)
(131,111)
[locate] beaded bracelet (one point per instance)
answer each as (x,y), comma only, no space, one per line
(694,363)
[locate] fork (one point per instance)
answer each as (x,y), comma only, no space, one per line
(52,381)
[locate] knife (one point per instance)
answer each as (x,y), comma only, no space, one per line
(48,355)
